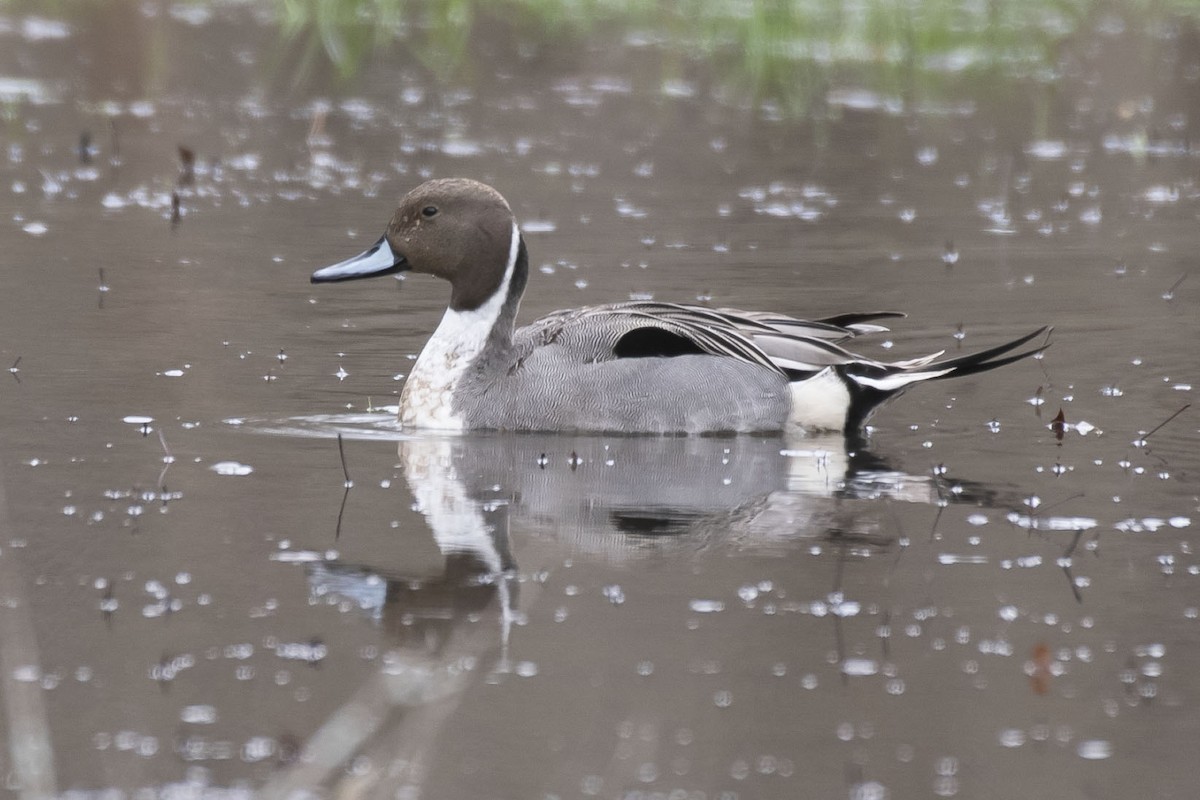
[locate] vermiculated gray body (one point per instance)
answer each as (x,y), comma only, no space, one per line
(553,392)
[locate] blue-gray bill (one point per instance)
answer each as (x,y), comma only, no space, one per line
(378,259)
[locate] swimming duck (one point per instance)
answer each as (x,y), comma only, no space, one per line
(632,367)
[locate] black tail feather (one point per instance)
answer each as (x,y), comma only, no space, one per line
(987,359)
(865,399)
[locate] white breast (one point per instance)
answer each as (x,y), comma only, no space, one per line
(428,397)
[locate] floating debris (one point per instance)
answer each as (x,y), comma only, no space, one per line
(949,253)
(1059,425)
(231,468)
(859,667)
(1151,524)
(85,147)
(1094,749)
(706,606)
(1169,294)
(138,419)
(1047,149)
(1042,523)
(312,651)
(614,594)
(953,558)
(187,163)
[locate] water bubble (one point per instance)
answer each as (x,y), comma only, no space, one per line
(614,594)
(706,606)
(1047,149)
(198,715)
(859,666)
(1094,749)
(231,468)
(1012,737)
(869,790)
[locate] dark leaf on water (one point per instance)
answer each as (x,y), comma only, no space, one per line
(187,159)
(1059,425)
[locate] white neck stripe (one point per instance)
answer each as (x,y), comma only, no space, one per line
(428,397)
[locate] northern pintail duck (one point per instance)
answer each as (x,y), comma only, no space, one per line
(635,367)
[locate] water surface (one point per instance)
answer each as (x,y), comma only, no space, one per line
(974,604)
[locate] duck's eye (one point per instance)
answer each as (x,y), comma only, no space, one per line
(429,211)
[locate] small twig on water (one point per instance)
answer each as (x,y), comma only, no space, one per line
(1169,294)
(1075,590)
(337,531)
(1160,425)
(167,457)
(348,483)
(936,519)
(1040,511)
(168,460)
(342,453)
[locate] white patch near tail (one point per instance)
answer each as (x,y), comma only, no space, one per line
(428,397)
(820,402)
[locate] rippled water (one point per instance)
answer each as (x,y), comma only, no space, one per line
(202,594)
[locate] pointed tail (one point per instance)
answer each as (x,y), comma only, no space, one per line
(990,358)
(872,385)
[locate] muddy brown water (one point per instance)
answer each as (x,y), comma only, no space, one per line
(970,606)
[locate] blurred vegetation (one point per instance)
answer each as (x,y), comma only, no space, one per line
(777,51)
(780,52)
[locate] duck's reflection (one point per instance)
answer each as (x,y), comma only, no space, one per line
(624,497)
(618,499)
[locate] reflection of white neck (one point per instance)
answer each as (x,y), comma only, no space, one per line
(456,520)
(428,397)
